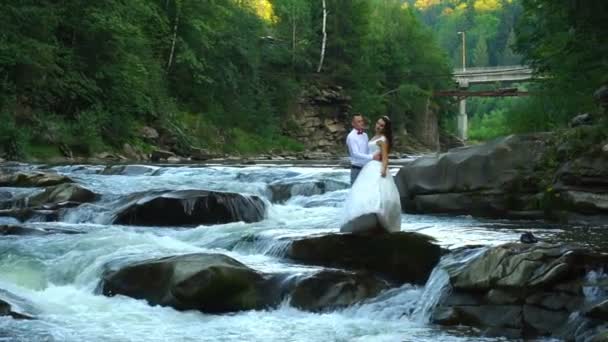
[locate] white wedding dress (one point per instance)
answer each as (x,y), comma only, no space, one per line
(373,201)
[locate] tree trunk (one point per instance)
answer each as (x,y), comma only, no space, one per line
(324,38)
(174,39)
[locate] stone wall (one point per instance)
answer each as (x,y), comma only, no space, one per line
(321,119)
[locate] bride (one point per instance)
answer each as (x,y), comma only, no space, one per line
(373,202)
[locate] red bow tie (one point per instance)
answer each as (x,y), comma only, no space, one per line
(359,131)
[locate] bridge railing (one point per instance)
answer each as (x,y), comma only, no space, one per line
(494,69)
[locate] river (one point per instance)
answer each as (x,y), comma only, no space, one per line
(60,273)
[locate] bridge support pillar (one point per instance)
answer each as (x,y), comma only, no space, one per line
(463,124)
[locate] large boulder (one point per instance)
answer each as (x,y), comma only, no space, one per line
(212,283)
(32,179)
(526,291)
(401,257)
(216,283)
(519,176)
(190,207)
(472,179)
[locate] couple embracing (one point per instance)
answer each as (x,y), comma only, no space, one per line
(373,203)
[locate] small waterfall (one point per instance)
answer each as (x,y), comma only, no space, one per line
(262,245)
(436,288)
(595,285)
(438,285)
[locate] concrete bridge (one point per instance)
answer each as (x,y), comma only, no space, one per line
(504,74)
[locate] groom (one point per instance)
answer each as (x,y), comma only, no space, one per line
(358,149)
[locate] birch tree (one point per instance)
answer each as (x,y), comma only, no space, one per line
(324,42)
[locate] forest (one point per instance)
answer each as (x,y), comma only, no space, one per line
(84,77)
(564,41)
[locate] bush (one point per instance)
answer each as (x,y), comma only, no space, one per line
(489,126)
(12,139)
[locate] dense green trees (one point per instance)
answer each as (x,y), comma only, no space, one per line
(488,25)
(85,75)
(566,42)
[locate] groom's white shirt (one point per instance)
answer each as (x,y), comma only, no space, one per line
(358,148)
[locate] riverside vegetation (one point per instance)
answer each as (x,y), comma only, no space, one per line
(82,77)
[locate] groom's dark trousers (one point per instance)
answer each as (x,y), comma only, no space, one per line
(354,173)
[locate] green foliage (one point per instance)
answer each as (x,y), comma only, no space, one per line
(397,57)
(12,140)
(246,143)
(485,23)
(85,75)
(480,55)
(489,126)
(567,44)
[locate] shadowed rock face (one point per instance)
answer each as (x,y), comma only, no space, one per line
(527,290)
(190,207)
(403,257)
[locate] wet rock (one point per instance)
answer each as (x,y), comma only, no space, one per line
(335,289)
(534,289)
(190,207)
(129,170)
(599,311)
(507,178)
(20,230)
(158,155)
(200,154)
(69,193)
(601,95)
(15,306)
(448,141)
(469,179)
(581,120)
(25,230)
(404,257)
(149,133)
(517,266)
(503,316)
(26,214)
(284,190)
(32,179)
(212,283)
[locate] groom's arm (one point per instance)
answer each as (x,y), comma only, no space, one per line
(356,152)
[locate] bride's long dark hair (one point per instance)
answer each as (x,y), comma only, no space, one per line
(388,131)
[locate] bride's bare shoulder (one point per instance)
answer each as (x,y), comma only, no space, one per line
(381,140)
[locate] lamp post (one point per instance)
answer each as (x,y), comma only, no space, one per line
(464,51)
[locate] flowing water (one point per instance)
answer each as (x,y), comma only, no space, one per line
(59,273)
